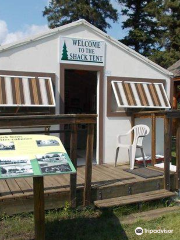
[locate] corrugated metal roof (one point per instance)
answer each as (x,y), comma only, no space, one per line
(26,91)
(140,95)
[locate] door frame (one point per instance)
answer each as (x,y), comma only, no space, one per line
(100,86)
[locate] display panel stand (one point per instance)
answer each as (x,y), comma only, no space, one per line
(39,211)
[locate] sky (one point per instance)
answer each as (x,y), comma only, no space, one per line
(23,18)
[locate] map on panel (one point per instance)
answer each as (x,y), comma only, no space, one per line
(32,155)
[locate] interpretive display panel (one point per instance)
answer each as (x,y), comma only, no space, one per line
(32,155)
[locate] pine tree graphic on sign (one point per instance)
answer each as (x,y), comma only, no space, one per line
(64,52)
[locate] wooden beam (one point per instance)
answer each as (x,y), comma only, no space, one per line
(31,120)
(178,158)
(173,114)
(147,114)
(167,151)
(153,139)
(88,167)
(39,215)
(73,157)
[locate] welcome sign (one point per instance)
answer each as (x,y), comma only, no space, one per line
(77,50)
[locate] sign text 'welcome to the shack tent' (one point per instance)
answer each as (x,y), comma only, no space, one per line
(76,50)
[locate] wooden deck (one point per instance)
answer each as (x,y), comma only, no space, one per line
(16,195)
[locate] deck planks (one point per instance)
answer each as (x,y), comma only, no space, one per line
(23,185)
(4,189)
(135,198)
(107,180)
(14,187)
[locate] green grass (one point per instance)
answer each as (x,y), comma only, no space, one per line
(89,224)
(168,222)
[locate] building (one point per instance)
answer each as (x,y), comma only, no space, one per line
(175,91)
(77,68)
(175,69)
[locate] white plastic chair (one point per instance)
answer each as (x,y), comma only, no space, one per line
(140,131)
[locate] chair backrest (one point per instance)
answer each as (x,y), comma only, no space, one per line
(140,131)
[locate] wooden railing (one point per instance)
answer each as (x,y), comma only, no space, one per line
(168,116)
(45,121)
(153,115)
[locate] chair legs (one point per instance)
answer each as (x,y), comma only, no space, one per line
(143,156)
(117,151)
(132,154)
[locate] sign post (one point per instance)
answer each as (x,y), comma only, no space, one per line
(34,156)
(39,214)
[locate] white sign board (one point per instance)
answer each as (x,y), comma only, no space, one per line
(77,50)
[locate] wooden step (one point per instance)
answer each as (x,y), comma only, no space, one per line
(135,198)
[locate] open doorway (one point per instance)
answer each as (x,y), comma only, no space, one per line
(81,98)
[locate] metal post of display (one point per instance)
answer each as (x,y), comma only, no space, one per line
(39,212)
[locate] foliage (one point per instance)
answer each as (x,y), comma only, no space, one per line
(154,29)
(165,58)
(142,24)
(170,22)
(96,12)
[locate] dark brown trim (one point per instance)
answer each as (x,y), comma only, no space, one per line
(156,94)
(126,93)
(31,91)
(38,90)
(143,94)
(13,92)
(152,94)
(109,92)
(3,90)
(21,91)
(100,70)
(17,93)
(132,95)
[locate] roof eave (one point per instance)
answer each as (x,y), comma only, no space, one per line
(97,31)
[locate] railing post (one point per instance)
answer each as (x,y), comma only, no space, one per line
(167,151)
(178,159)
(73,157)
(88,167)
(153,139)
(47,129)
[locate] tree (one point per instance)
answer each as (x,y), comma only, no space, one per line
(165,58)
(142,24)
(154,29)
(65,52)
(96,12)
(170,21)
